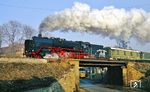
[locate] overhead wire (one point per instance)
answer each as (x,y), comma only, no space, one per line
(25,7)
(46,9)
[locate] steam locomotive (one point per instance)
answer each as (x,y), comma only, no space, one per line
(43,47)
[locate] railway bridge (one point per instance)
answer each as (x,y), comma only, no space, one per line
(118,72)
(114,74)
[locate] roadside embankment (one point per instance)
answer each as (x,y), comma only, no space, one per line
(33,77)
(145,69)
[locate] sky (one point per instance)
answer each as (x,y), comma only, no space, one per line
(32,12)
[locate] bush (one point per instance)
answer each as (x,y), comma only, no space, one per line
(146,81)
(147,73)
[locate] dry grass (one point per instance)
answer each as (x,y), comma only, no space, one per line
(142,67)
(14,71)
(22,60)
(17,74)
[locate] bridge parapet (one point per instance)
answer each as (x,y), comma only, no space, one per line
(101,63)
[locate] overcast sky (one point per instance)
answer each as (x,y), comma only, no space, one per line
(32,12)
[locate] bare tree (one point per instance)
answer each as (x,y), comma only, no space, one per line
(11,31)
(28,31)
(15,33)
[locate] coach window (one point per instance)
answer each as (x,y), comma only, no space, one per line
(124,52)
(137,54)
(111,52)
(131,53)
(117,52)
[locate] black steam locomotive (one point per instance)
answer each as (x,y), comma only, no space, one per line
(35,47)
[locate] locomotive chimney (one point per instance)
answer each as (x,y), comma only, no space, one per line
(40,34)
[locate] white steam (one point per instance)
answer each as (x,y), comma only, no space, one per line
(109,21)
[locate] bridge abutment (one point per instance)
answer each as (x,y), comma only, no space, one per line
(130,73)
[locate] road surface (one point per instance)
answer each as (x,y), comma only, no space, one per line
(91,86)
(94,87)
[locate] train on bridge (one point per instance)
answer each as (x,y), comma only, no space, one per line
(43,47)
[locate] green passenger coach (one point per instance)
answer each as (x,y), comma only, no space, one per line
(122,54)
(145,56)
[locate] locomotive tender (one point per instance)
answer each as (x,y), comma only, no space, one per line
(43,47)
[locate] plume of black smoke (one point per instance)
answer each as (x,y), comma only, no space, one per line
(109,21)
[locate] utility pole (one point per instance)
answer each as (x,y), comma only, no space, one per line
(122,44)
(0,40)
(1,36)
(0,43)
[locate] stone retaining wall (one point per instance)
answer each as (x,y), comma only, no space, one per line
(130,73)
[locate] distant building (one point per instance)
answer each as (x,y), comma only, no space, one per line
(17,50)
